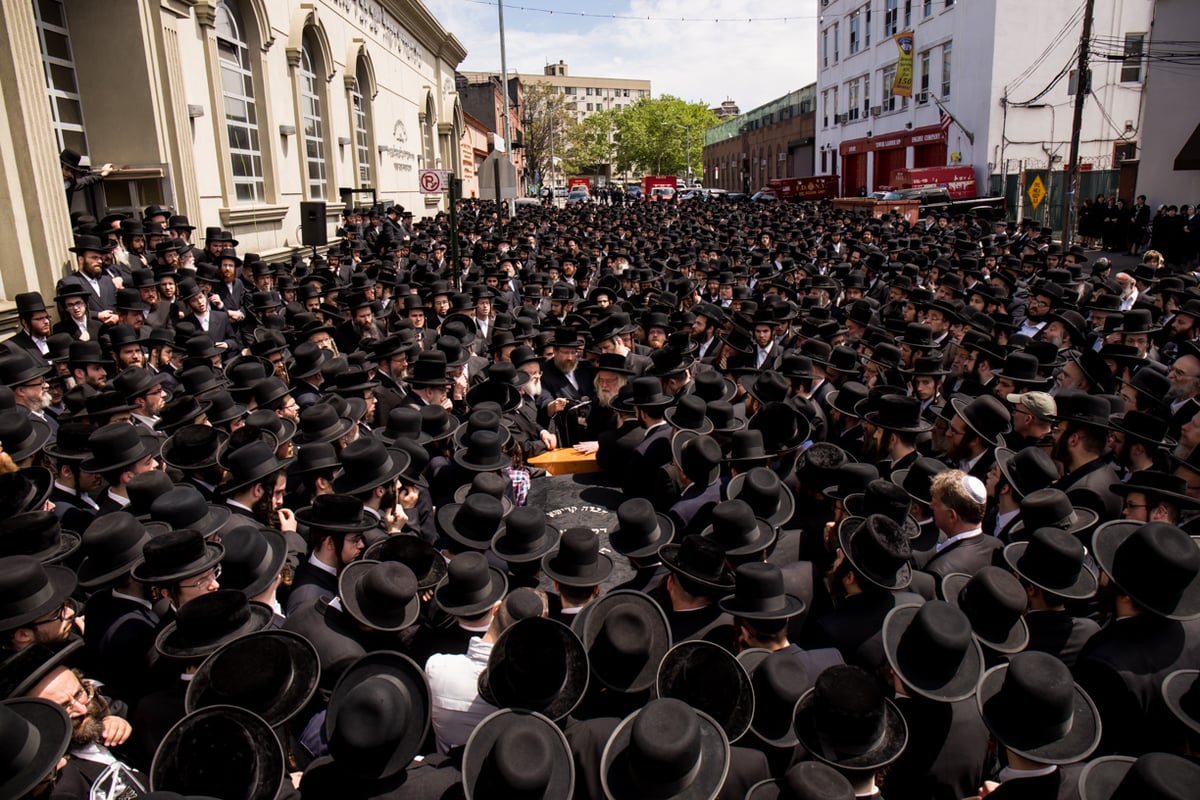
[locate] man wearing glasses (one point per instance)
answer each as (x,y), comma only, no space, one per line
(93,730)
(38,608)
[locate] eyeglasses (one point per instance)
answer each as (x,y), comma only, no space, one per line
(65,612)
(81,698)
(1177,372)
(203,581)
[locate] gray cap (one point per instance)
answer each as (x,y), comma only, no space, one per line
(1039,404)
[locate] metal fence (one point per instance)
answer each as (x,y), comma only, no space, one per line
(1049,212)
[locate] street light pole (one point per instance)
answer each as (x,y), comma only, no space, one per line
(687,155)
(512,210)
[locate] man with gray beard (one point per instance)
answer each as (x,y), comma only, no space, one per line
(1185,387)
(611,375)
(528,422)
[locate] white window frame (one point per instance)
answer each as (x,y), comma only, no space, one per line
(316,179)
(233,52)
(947,64)
(362,137)
(67,134)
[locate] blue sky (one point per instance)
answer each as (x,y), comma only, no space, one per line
(751,62)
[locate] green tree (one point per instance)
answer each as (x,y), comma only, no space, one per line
(663,136)
(591,145)
(548,126)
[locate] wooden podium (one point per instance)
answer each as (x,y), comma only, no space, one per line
(565,461)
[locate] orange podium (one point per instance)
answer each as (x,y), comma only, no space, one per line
(565,461)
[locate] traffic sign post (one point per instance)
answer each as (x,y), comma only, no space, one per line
(1036,192)
(434,181)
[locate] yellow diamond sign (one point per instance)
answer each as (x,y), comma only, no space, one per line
(1036,191)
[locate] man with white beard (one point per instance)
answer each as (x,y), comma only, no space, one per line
(611,375)
(528,422)
(26,376)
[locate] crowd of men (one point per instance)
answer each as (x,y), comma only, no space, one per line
(906,511)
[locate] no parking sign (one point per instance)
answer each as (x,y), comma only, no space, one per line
(434,181)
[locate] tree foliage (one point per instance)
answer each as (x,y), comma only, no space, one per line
(661,135)
(548,127)
(591,144)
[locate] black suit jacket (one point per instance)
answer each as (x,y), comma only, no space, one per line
(104,300)
(947,751)
(1059,634)
(966,555)
(1090,486)
(855,626)
(1122,668)
(23,341)
(310,584)
(119,636)
(641,469)
(220,329)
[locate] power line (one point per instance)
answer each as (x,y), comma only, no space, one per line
(1054,43)
(647,18)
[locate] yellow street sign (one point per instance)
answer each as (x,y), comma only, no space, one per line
(1036,191)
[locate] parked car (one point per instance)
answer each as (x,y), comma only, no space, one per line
(579,194)
(560,191)
(765,196)
(662,193)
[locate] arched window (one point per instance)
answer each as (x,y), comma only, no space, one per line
(241,116)
(54,40)
(314,128)
(428,124)
(362,136)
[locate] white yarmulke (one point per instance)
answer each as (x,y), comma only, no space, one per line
(975,489)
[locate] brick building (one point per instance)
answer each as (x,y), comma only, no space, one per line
(774,140)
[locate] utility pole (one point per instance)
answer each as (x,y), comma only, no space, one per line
(512,210)
(1082,87)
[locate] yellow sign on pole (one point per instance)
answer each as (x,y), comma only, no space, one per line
(902,83)
(1036,192)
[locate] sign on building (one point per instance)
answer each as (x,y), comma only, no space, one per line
(434,181)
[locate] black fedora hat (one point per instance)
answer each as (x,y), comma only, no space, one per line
(1181,692)
(759,594)
(917,480)
(698,456)
(994,601)
(723,417)
(689,414)
(21,669)
(1053,560)
(220,751)
(779,679)
(767,386)
(737,531)
(379,714)
(897,412)
(626,634)
(472,523)
(484,452)
(1033,708)
(1152,776)
(747,450)
(537,664)
(206,622)
(1082,407)
(185,507)
(712,385)
(38,534)
(180,411)
(402,422)
(470,587)
(768,497)
(30,589)
(491,483)
(175,555)
(1156,486)
(437,424)
(71,443)
(23,435)
(986,415)
(783,427)
(382,595)
(640,531)
(846,397)
(698,559)
(515,753)
(1155,563)
(111,546)
(526,536)
(666,750)
(426,563)
(709,678)
(577,561)
(249,464)
(193,447)
(321,422)
(846,722)
(648,393)
(253,558)
(808,780)
(34,735)
(1147,429)
(1026,471)
(367,463)
(877,549)
(429,370)
(932,650)
(1022,369)
(339,513)
(1051,508)
(19,366)
(272,673)
(884,497)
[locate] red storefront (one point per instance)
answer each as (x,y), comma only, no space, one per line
(891,154)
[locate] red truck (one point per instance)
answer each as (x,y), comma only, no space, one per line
(817,187)
(660,182)
(959,181)
(584,182)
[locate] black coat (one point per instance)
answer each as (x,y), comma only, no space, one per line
(966,555)
(119,636)
(1122,668)
(1090,486)
(855,626)
(310,584)
(220,329)
(946,754)
(641,469)
(1059,634)
(434,777)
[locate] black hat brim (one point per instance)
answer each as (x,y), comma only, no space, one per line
(241,746)
(1107,538)
(348,580)
(167,643)
(498,587)
(669,555)
(664,534)
(61,582)
(1084,586)
(482,741)
(733,711)
(1174,687)
(530,551)
(213,553)
(883,752)
(619,773)
(575,682)
(1015,638)
(958,686)
(296,685)
(845,533)
(1075,745)
(54,729)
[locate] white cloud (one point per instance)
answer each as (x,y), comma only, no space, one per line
(750,62)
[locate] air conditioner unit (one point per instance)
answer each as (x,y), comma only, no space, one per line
(841,118)
(876,111)
(922,98)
